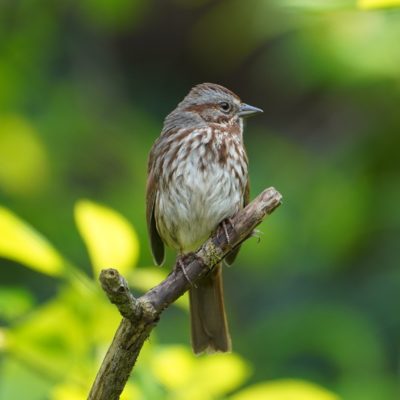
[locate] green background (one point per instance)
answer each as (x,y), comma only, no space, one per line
(84,88)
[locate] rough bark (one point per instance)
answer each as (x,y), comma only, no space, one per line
(141,315)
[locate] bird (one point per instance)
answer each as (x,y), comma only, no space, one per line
(198,179)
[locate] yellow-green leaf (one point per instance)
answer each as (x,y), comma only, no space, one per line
(285,389)
(52,338)
(2,339)
(174,366)
(221,373)
(370,4)
(14,302)
(69,391)
(109,237)
(144,279)
(189,377)
(24,166)
(20,242)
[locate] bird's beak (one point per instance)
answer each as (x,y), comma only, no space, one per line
(247,110)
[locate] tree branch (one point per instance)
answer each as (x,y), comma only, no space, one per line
(142,314)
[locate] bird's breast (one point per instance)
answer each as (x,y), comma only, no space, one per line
(202,183)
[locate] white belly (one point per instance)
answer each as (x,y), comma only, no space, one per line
(195,203)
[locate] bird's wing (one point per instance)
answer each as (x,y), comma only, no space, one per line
(156,243)
(230,258)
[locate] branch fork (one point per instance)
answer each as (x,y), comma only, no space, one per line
(140,315)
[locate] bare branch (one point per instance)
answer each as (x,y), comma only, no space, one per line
(142,314)
(117,290)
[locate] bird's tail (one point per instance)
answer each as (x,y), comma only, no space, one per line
(209,325)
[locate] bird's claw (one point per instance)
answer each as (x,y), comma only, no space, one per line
(224,224)
(182,267)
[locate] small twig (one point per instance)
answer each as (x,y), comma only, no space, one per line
(118,292)
(142,314)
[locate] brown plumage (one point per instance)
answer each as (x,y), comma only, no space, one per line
(197,178)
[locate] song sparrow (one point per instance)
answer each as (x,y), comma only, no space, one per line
(197,178)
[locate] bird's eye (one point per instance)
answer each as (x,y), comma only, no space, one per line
(225,107)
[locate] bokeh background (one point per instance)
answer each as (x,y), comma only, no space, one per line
(84,87)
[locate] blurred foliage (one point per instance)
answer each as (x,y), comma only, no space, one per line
(21,243)
(57,348)
(84,87)
(109,238)
(367,4)
(23,159)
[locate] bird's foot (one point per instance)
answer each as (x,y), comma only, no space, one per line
(181,265)
(225,224)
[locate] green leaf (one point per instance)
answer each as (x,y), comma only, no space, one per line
(3,339)
(317,5)
(24,164)
(54,339)
(14,302)
(371,4)
(19,381)
(21,243)
(109,237)
(285,389)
